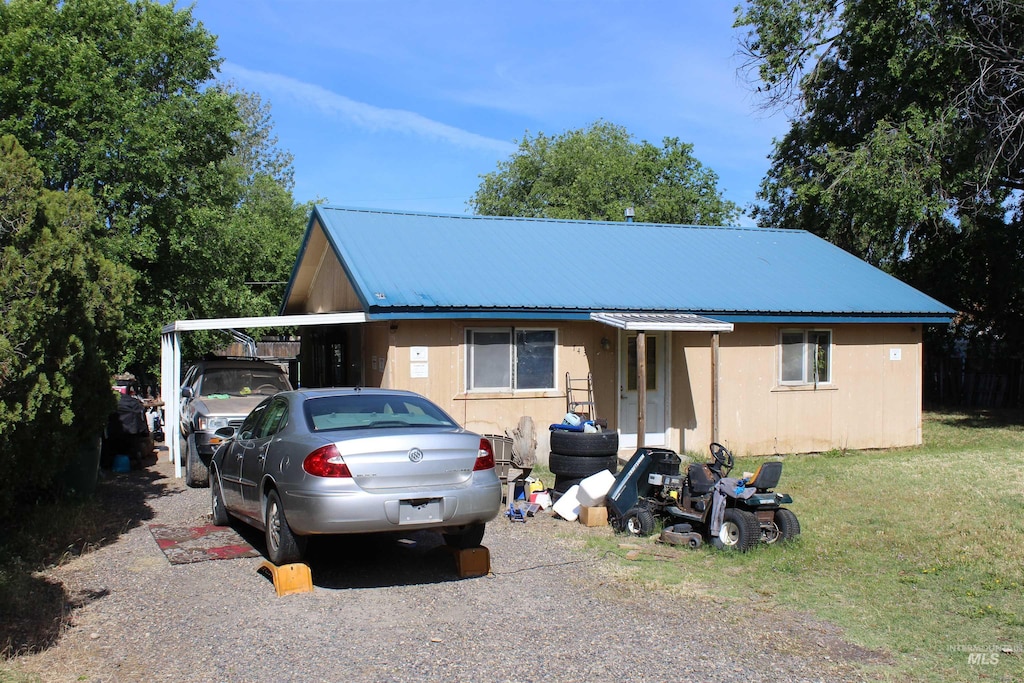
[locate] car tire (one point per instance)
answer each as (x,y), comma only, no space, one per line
(197,474)
(470,537)
(218,512)
(579,466)
(584,443)
(740,531)
(563,483)
(283,547)
(638,521)
(787,523)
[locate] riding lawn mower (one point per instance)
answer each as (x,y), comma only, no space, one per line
(704,504)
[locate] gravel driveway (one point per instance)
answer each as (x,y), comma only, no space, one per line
(389,611)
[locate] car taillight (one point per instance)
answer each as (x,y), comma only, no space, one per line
(326,461)
(484,457)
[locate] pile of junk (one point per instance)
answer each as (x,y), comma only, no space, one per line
(702,503)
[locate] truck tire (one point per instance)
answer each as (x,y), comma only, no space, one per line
(197,474)
(584,443)
(579,466)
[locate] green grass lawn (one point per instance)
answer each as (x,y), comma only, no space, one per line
(915,552)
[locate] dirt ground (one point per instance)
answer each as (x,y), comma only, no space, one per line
(394,609)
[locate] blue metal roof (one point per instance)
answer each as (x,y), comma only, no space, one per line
(413,264)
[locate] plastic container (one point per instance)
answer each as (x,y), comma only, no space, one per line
(122,464)
(568,507)
(594,488)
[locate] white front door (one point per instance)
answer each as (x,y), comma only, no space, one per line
(654,434)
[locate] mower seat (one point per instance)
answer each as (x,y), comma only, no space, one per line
(701,481)
(767,476)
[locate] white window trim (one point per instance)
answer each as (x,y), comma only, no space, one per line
(469,356)
(805,381)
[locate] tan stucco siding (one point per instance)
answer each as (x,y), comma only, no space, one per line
(872,401)
(442,375)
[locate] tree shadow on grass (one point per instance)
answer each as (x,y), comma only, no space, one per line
(980,419)
(36,609)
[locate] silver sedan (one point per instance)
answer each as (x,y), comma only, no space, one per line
(345,461)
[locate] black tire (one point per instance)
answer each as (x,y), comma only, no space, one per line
(788,524)
(581,466)
(470,537)
(218,512)
(283,547)
(197,474)
(638,521)
(584,443)
(740,531)
(563,484)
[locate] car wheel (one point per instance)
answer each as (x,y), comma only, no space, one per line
(740,531)
(283,547)
(470,537)
(638,521)
(581,465)
(197,474)
(218,511)
(787,523)
(584,443)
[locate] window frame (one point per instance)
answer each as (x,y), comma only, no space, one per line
(513,358)
(807,343)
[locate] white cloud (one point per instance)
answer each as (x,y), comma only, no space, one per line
(361,114)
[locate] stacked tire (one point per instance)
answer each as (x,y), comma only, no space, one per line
(577,455)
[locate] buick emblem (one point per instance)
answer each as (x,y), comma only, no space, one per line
(415,455)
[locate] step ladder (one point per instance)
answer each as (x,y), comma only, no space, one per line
(579,396)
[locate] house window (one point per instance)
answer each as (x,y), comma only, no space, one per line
(503,358)
(806,357)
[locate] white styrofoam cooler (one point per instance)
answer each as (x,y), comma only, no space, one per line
(594,488)
(568,507)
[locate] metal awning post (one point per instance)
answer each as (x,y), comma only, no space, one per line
(714,387)
(641,387)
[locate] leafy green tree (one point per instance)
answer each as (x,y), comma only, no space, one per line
(598,172)
(117,99)
(906,142)
(61,302)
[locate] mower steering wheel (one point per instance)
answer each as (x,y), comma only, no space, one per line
(722,456)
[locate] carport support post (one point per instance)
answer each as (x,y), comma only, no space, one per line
(714,387)
(641,387)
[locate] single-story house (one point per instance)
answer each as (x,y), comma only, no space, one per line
(768,341)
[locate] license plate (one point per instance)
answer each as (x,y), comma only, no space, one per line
(419,511)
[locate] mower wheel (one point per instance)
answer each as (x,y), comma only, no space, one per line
(740,531)
(788,524)
(638,521)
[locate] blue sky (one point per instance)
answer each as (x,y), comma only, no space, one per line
(396,104)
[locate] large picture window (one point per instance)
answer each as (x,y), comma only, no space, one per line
(504,358)
(805,357)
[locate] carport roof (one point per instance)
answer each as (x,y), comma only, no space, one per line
(404,265)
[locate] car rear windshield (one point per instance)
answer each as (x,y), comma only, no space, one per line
(373,412)
(243,382)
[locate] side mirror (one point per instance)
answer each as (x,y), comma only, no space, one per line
(226,433)
(186,392)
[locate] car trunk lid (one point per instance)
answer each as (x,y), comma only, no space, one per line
(410,458)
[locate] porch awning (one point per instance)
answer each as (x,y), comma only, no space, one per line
(672,322)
